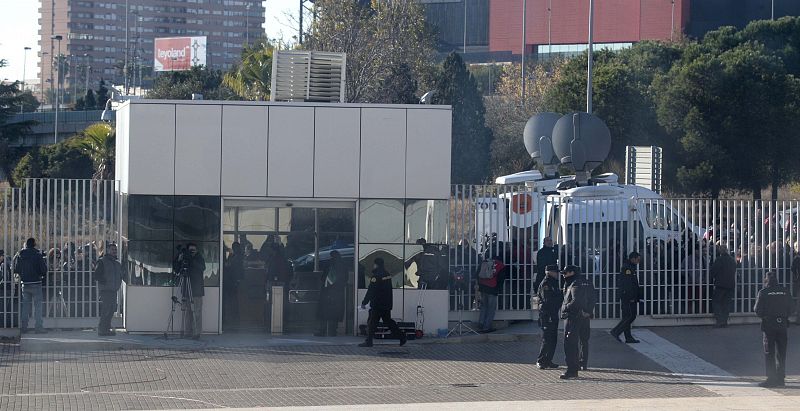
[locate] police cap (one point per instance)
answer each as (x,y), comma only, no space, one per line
(551,267)
(572,268)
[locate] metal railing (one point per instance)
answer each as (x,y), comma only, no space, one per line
(65,117)
(70,220)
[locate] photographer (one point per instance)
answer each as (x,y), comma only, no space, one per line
(108,274)
(190,265)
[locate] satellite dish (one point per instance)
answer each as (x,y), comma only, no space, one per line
(539,142)
(581,141)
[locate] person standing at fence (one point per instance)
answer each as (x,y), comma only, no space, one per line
(108,274)
(550,299)
(547,255)
(628,294)
(723,275)
(773,306)
(490,287)
(579,301)
(796,283)
(379,297)
(30,265)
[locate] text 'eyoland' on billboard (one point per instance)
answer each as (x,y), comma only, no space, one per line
(179,53)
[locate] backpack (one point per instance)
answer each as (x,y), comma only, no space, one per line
(492,269)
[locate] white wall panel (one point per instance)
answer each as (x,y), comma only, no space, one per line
(383,149)
(198,144)
(428,154)
(336,152)
(121,148)
(151,149)
(290,152)
(244,150)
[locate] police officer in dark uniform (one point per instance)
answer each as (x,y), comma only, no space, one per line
(579,300)
(628,294)
(773,306)
(379,297)
(550,300)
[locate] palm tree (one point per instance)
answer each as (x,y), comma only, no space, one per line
(97,141)
(252,78)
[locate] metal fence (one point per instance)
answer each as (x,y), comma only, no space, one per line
(70,220)
(679,240)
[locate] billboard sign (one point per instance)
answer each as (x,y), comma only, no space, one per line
(179,53)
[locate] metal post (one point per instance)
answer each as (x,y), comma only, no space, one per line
(672,29)
(24,66)
(464,50)
(60,70)
(86,67)
(549,19)
(300,37)
(125,67)
(74,71)
(589,70)
(522,73)
(772,14)
(247,25)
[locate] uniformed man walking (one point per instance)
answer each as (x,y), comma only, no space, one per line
(628,294)
(550,300)
(773,306)
(579,300)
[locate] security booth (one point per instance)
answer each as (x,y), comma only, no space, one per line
(284,201)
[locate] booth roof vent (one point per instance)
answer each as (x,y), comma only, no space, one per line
(308,76)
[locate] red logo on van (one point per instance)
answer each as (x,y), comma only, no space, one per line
(522,203)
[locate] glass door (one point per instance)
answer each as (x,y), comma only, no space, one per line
(308,248)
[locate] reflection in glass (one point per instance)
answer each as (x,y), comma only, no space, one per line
(380,221)
(426,219)
(197,218)
(428,264)
(149,262)
(150,217)
(392,255)
(252,218)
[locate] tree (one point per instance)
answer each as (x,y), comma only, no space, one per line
(102,95)
(454,85)
(90,102)
(377,37)
(252,78)
(97,141)
(401,86)
(63,160)
(180,85)
(80,104)
(10,100)
(29,101)
(732,109)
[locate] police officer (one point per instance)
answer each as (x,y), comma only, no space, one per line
(550,300)
(379,297)
(628,294)
(579,300)
(773,306)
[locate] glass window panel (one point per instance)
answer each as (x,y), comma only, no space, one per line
(150,217)
(229,219)
(302,219)
(256,219)
(336,220)
(430,264)
(381,221)
(197,218)
(392,255)
(149,262)
(124,217)
(210,253)
(426,219)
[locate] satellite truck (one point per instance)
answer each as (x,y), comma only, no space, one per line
(585,213)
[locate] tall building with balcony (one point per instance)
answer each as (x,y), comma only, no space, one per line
(99,36)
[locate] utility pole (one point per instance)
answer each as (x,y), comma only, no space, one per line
(86,69)
(60,69)
(125,67)
(465,27)
(524,47)
(24,66)
(41,85)
(549,19)
(589,73)
(247,25)
(772,14)
(73,71)
(300,38)
(672,29)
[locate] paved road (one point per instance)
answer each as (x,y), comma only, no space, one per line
(344,375)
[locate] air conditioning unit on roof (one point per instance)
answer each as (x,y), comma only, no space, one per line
(308,76)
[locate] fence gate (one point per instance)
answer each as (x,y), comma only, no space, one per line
(71,220)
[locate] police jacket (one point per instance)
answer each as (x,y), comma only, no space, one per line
(108,274)
(628,284)
(723,271)
(30,265)
(379,292)
(774,305)
(544,257)
(579,299)
(551,298)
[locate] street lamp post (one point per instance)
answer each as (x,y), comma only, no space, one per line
(672,27)
(24,66)
(589,73)
(125,67)
(522,66)
(247,25)
(465,27)
(41,85)
(86,68)
(59,69)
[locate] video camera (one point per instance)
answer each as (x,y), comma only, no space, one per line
(183,261)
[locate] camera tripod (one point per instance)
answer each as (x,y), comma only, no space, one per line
(461,327)
(186,302)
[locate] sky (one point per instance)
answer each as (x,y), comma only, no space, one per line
(19,29)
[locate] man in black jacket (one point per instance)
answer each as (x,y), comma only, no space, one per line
(723,274)
(31,267)
(628,294)
(379,297)
(579,300)
(550,300)
(108,274)
(773,306)
(194,264)
(546,256)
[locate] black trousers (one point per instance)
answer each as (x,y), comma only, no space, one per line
(628,317)
(549,340)
(775,349)
(386,316)
(722,304)
(576,343)
(108,305)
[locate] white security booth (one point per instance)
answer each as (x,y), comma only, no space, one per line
(289,184)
